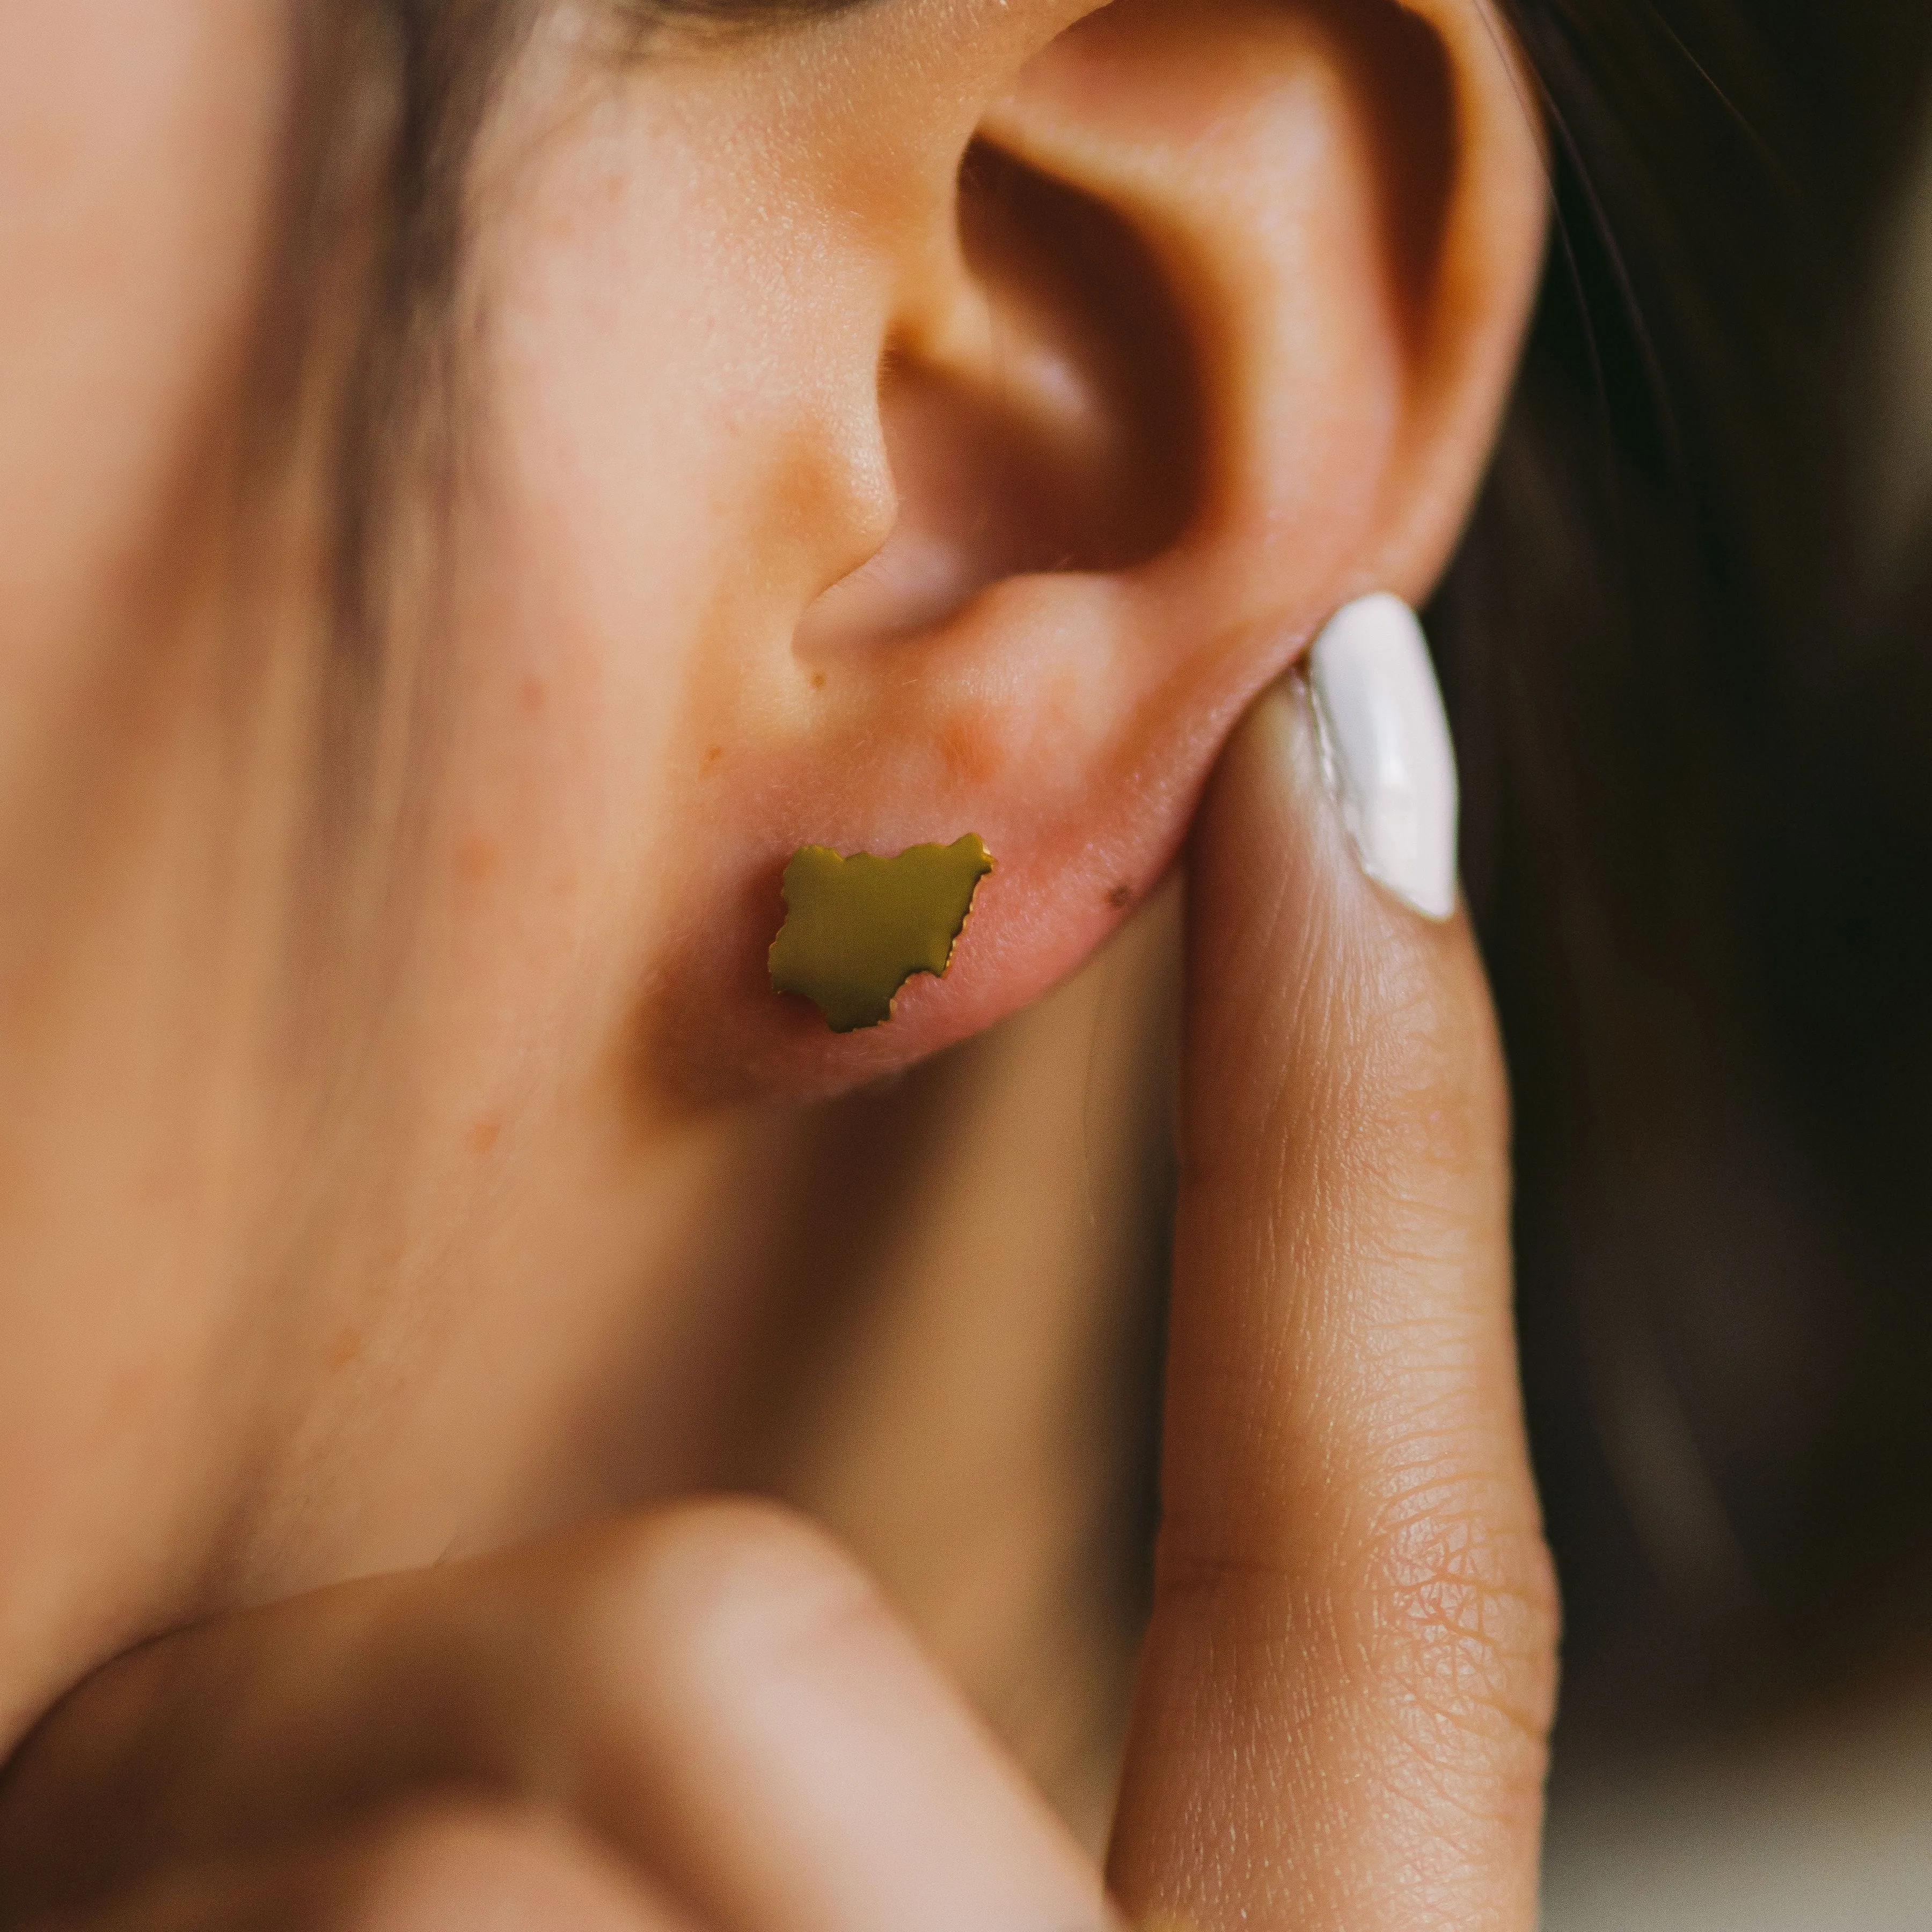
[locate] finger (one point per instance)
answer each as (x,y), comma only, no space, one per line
(714,1690)
(460,1869)
(1347,1681)
(805,1765)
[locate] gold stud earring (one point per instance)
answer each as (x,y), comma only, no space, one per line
(857,928)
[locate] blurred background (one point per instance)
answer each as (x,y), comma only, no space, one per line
(1689,653)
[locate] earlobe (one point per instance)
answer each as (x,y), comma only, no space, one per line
(1212,340)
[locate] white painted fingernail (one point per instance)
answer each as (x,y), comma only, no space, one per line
(1385,749)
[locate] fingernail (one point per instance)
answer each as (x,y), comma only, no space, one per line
(1385,749)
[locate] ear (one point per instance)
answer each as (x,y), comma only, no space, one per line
(1193,319)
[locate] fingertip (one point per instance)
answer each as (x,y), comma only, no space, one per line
(1322,877)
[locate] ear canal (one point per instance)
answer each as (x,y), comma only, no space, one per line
(1053,426)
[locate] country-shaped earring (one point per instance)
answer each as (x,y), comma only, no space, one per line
(857,928)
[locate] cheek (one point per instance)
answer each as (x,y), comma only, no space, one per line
(654,494)
(135,140)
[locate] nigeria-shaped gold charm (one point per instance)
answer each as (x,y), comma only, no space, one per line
(857,928)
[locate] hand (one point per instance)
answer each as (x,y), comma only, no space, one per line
(706,1718)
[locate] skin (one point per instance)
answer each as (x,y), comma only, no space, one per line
(356,1365)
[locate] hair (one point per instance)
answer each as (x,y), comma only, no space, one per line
(1691,727)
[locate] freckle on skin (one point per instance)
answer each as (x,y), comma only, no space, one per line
(345,1348)
(818,680)
(532,694)
(485,1134)
(476,858)
(969,751)
(1120,898)
(716,752)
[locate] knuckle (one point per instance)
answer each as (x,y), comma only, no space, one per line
(467,1868)
(713,1589)
(1466,1622)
